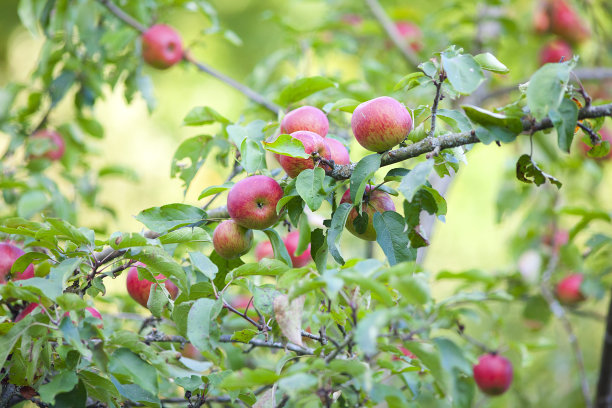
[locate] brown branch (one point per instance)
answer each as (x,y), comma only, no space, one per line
(392,31)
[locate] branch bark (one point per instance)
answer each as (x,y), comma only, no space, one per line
(603,398)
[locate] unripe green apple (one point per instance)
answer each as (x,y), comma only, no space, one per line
(232,240)
(161,46)
(381,123)
(373,201)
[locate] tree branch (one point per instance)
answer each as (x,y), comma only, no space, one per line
(603,398)
(392,32)
(123,16)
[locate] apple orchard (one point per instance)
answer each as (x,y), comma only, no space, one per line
(307,273)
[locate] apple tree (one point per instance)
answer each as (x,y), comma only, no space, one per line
(301,280)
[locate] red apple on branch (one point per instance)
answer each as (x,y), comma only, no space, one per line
(291,242)
(566,23)
(568,290)
(139,289)
(554,51)
(251,202)
(381,123)
(493,374)
(232,240)
(305,118)
(312,143)
(264,250)
(373,201)
(161,46)
(411,34)
(57,144)
(9,253)
(338,153)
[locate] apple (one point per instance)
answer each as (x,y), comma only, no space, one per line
(57,145)
(560,238)
(92,311)
(541,21)
(373,201)
(305,118)
(606,135)
(139,289)
(191,352)
(338,152)
(554,51)
(251,202)
(9,253)
(232,240)
(291,242)
(26,311)
(312,143)
(161,46)
(566,23)
(381,123)
(264,250)
(405,352)
(568,290)
(493,374)
(411,34)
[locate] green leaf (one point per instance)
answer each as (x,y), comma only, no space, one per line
(53,284)
(547,87)
(28,12)
(565,118)
(120,240)
(288,315)
(392,237)
(247,378)
(203,115)
(252,156)
(455,119)
(159,261)
(244,336)
(302,88)
(309,185)
(31,203)
(62,382)
(363,172)
(463,72)
(183,235)
(286,145)
(265,267)
(170,216)
(203,264)
(26,259)
(369,328)
(345,105)
(189,157)
(500,127)
(280,250)
(212,190)
(529,172)
(157,300)
(200,323)
(335,230)
(408,80)
(378,290)
(413,181)
(128,366)
(488,62)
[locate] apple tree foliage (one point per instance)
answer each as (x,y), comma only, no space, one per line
(336,332)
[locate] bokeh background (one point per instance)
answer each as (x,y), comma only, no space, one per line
(471,236)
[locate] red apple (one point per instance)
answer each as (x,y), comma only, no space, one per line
(411,34)
(92,311)
(305,118)
(232,240)
(381,123)
(251,202)
(560,238)
(264,250)
(493,374)
(541,21)
(291,242)
(57,146)
(566,23)
(9,253)
(568,290)
(606,135)
(554,51)
(191,352)
(161,46)
(339,154)
(139,289)
(312,143)
(26,311)
(405,352)
(373,201)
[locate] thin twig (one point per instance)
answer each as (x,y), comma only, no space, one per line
(123,16)
(437,99)
(595,139)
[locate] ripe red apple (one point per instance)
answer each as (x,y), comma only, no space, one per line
(139,289)
(554,51)
(305,118)
(493,374)
(373,201)
(232,240)
(541,21)
(411,34)
(568,290)
(161,46)
(58,146)
(251,202)
(8,255)
(606,135)
(291,242)
(312,143)
(339,154)
(381,123)
(264,250)
(191,352)
(566,23)
(26,311)
(92,311)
